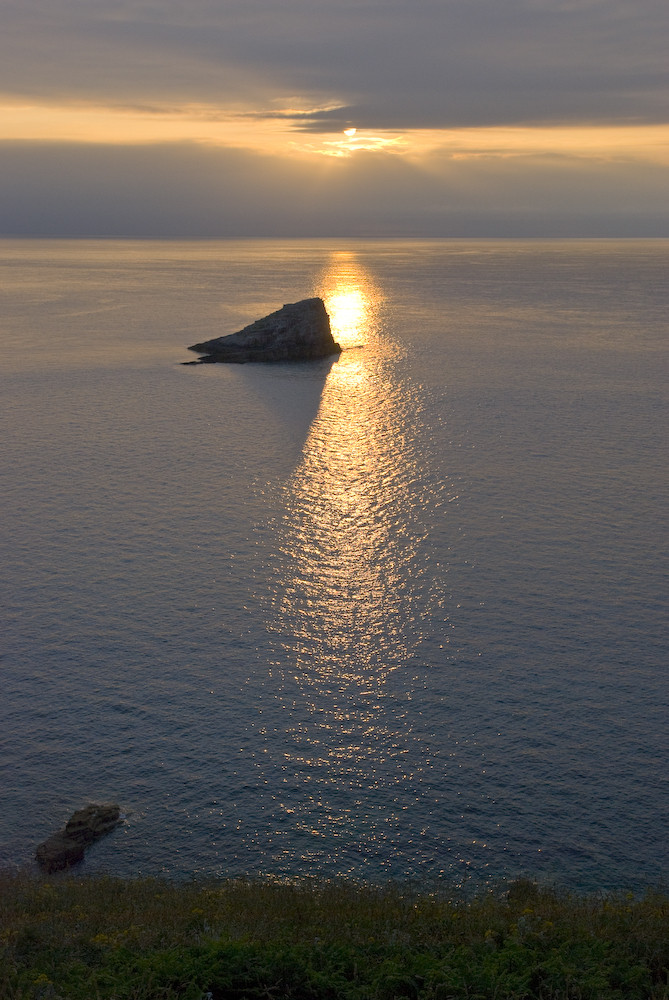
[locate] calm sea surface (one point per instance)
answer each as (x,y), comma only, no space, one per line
(397,615)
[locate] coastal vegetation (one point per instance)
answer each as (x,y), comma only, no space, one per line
(72,938)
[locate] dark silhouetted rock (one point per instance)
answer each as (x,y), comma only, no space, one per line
(84,827)
(299,331)
(59,851)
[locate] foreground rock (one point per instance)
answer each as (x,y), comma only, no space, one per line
(85,826)
(299,331)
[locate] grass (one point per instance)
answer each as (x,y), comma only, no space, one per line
(70,938)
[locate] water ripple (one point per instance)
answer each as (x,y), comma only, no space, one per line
(352,585)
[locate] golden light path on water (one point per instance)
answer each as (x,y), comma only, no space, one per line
(351,589)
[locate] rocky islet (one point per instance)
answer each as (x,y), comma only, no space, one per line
(299,331)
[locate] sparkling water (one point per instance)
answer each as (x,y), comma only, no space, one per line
(400,614)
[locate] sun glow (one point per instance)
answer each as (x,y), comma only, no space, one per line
(356,141)
(266,132)
(282,132)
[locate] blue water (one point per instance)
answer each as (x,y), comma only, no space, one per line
(397,615)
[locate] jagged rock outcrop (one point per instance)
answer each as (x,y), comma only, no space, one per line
(84,827)
(299,331)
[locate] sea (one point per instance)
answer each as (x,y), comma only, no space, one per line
(396,615)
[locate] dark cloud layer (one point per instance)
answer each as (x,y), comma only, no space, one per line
(396,63)
(176,190)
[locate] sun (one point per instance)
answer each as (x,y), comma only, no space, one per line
(350,132)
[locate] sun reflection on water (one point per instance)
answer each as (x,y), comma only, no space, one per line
(350,310)
(350,585)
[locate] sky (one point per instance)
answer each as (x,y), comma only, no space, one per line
(352,118)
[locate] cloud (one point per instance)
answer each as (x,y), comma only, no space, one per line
(188,190)
(469,115)
(394,63)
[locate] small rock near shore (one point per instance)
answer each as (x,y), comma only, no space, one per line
(66,847)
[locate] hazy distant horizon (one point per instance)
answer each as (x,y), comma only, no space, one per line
(335,237)
(474,236)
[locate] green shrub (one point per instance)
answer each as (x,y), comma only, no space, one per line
(108,939)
